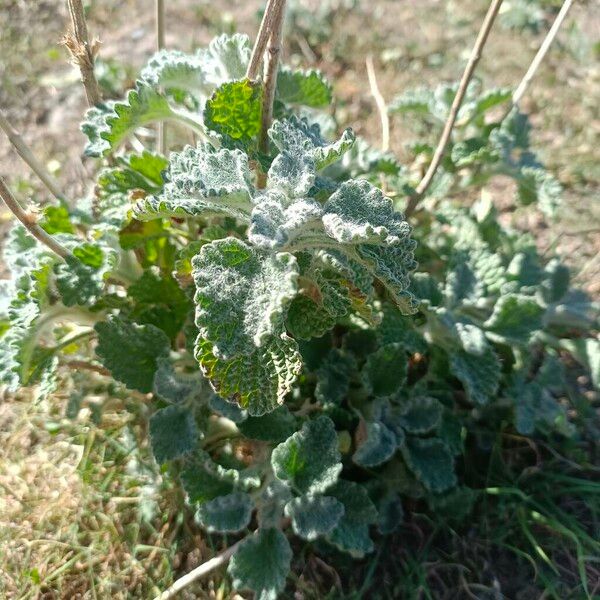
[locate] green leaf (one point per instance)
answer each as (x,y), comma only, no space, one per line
(202,484)
(261,564)
(130,351)
(226,514)
(556,281)
(333,377)
(479,373)
(298,137)
(109,126)
(536,186)
(515,318)
(305,88)
(56,219)
(431,461)
(352,532)
(257,381)
(227,409)
(77,283)
(379,446)
(421,414)
(241,295)
(234,112)
(359,213)
(384,373)
(202,181)
(173,433)
(313,516)
(275,426)
(390,513)
(309,460)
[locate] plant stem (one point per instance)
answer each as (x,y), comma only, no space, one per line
(270,83)
(29,222)
(82,51)
(27,155)
(262,38)
(381,105)
(541,53)
(200,571)
(456,104)
(160,44)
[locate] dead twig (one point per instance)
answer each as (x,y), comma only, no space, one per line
(160,44)
(262,38)
(83,52)
(474,58)
(27,155)
(381,105)
(29,221)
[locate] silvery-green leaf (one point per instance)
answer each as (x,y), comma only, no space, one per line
(309,460)
(241,295)
(261,564)
(294,174)
(384,373)
(275,426)
(379,446)
(352,532)
(202,181)
(176,70)
(313,516)
(275,224)
(226,514)
(421,414)
(175,387)
(515,318)
(479,373)
(297,136)
(271,503)
(431,461)
(359,213)
(306,88)
(226,409)
(173,433)
(333,377)
(390,513)
(257,381)
(226,58)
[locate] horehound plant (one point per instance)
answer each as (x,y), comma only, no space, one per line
(263,295)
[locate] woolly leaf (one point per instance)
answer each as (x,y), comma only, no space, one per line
(226,58)
(226,514)
(202,181)
(176,71)
(379,446)
(536,185)
(227,409)
(421,414)
(359,213)
(173,433)
(271,504)
(515,318)
(174,387)
(352,532)
(294,174)
(431,461)
(130,351)
(258,381)
(261,564)
(390,513)
(275,225)
(234,112)
(275,426)
(306,88)
(384,373)
(556,283)
(202,484)
(333,377)
(479,373)
(241,295)
(309,460)
(296,136)
(313,516)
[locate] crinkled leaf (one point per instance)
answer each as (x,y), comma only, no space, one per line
(262,563)
(432,463)
(256,381)
(241,295)
(234,112)
(309,460)
(131,351)
(275,426)
(202,181)
(352,532)
(294,174)
(384,373)
(333,377)
(306,88)
(515,318)
(313,516)
(175,387)
(479,373)
(226,514)
(297,136)
(173,433)
(421,414)
(536,186)
(378,447)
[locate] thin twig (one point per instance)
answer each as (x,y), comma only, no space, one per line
(27,155)
(82,52)
(198,572)
(160,44)
(260,45)
(270,81)
(29,221)
(456,104)
(381,105)
(541,53)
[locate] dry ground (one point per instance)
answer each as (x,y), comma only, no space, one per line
(78,517)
